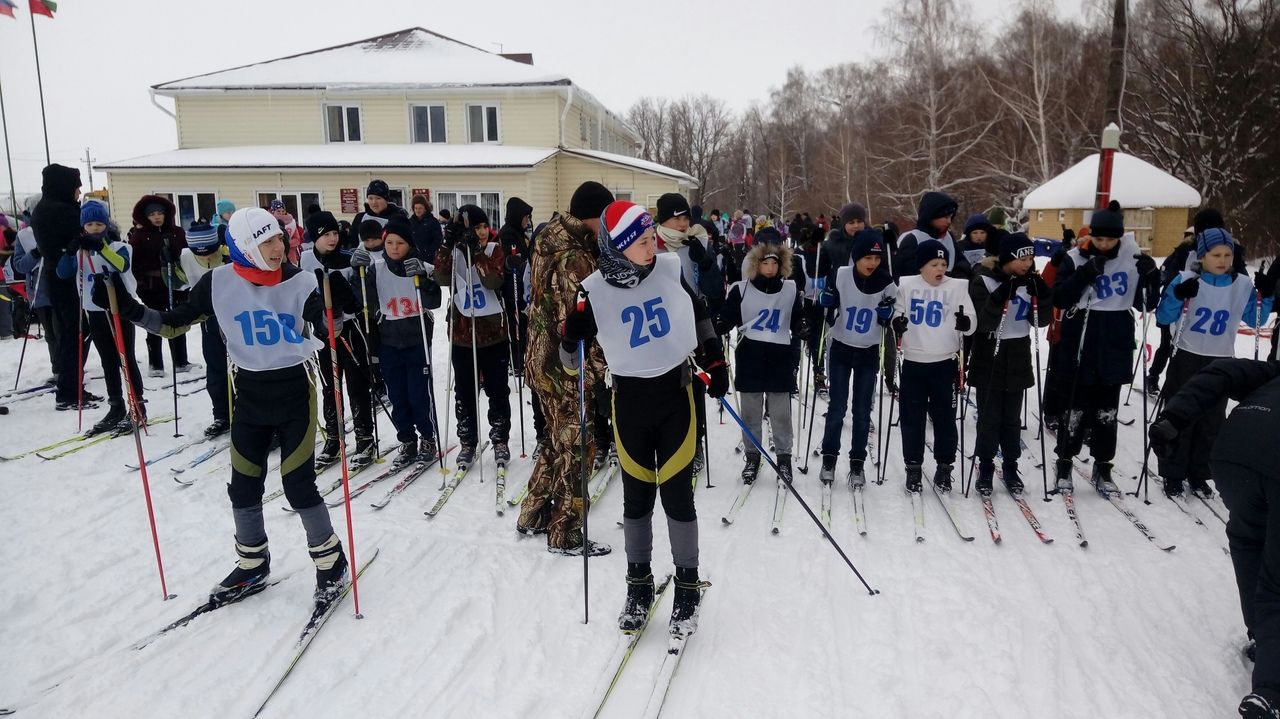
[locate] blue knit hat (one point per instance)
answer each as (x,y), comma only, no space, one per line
(1211,238)
(94,211)
(930,250)
(202,238)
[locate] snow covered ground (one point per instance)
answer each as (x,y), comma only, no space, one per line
(463,618)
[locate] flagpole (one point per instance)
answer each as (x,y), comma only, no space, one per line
(40,84)
(8,157)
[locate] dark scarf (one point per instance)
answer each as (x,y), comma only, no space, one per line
(617,269)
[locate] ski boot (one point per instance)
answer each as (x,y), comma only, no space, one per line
(1153,385)
(684,608)
(1172,487)
(1102,480)
(784,468)
(942,478)
(248,578)
(331,571)
(575,547)
(327,454)
(501,453)
(217,428)
(1012,480)
(857,476)
(699,461)
(188,367)
(466,456)
(366,451)
(1256,706)
(1250,651)
(428,451)
(751,468)
(407,453)
(635,612)
(1201,488)
(827,474)
(986,475)
(914,474)
(110,423)
(537,449)
(597,462)
(1062,474)
(155,372)
(91,397)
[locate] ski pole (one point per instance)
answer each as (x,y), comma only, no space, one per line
(32,313)
(1035,338)
(586,475)
(813,407)
(519,371)
(764,453)
(168,270)
(893,397)
(342,441)
(1144,480)
(364,297)
(961,390)
(431,389)
(511,357)
(134,410)
(986,393)
(80,344)
(448,387)
(475,352)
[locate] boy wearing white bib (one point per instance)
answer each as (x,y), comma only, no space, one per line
(204,253)
(648,322)
(766,308)
(262,305)
(1203,310)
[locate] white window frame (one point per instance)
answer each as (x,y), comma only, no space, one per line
(484,114)
(413,124)
(172,196)
(629,194)
(495,218)
(346,107)
(279,193)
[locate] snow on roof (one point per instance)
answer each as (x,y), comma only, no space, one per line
(634,163)
(408,59)
(340,155)
(1134,183)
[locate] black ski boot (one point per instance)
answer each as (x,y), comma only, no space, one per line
(827,474)
(406,454)
(428,451)
(110,423)
(327,454)
(1153,385)
(248,578)
(784,468)
(986,475)
(684,608)
(699,461)
(857,476)
(331,570)
(914,474)
(1062,474)
(593,549)
(1201,488)
(501,453)
(1256,706)
(1172,487)
(942,478)
(217,428)
(537,449)
(635,612)
(1012,480)
(365,453)
(466,456)
(751,468)
(1102,479)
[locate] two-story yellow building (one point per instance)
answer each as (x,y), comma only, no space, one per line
(426,113)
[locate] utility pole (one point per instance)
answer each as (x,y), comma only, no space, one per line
(89,160)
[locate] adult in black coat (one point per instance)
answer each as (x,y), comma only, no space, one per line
(425,228)
(378,206)
(56,224)
(834,252)
(933,222)
(517,220)
(1247,472)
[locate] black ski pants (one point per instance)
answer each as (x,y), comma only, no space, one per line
(1190,459)
(283,402)
(1253,534)
(1093,411)
(493,361)
(104,341)
(999,424)
(354,371)
(215,369)
(656,437)
(927,390)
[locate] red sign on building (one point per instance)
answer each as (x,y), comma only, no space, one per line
(424,192)
(350,200)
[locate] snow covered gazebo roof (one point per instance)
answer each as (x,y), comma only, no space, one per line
(1134,183)
(414,58)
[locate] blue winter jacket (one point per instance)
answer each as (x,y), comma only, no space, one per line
(1170,311)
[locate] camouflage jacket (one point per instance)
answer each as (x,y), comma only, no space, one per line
(564,255)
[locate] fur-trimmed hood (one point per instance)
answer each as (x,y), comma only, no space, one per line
(786,260)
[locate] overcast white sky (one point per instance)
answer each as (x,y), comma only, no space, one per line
(98,58)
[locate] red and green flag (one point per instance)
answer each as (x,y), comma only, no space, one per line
(7,7)
(43,7)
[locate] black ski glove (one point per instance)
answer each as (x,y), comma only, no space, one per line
(1091,269)
(717,379)
(429,293)
(1036,286)
(579,326)
(1265,282)
(515,262)
(899,325)
(1163,436)
(1187,288)
(1147,267)
(130,309)
(963,323)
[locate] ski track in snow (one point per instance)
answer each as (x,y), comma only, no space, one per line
(463,617)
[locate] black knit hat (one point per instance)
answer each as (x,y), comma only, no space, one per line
(768,236)
(378,188)
(472,215)
(589,200)
(1108,222)
(321,222)
(852,211)
(399,226)
(1014,246)
(672,204)
(1206,218)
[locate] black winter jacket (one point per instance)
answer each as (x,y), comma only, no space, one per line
(762,366)
(1256,386)
(56,222)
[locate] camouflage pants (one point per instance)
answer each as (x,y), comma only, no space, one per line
(554,501)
